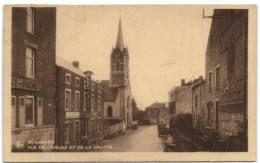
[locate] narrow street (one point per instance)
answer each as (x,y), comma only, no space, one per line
(144,139)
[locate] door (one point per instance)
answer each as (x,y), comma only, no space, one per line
(217,112)
(76,133)
(93,130)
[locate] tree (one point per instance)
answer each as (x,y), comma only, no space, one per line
(134,109)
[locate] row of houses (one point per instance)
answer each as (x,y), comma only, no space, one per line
(54,101)
(219,101)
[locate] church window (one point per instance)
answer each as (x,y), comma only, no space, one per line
(117,65)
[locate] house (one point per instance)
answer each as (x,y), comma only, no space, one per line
(226,72)
(152,112)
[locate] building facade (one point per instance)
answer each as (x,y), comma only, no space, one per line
(180,97)
(226,70)
(70,97)
(153,111)
(33,75)
(80,105)
(198,105)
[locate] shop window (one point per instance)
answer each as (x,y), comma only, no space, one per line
(67,99)
(21,111)
(13,111)
(77,81)
(77,100)
(30,20)
(30,61)
(68,78)
(29,111)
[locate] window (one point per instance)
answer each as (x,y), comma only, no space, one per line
(67,99)
(210,81)
(13,111)
(29,111)
(68,78)
(217,77)
(209,113)
(99,124)
(231,60)
(30,19)
(99,103)
(77,100)
(117,65)
(99,89)
(85,84)
(85,102)
(30,61)
(92,102)
(77,81)
(39,111)
(92,87)
(196,101)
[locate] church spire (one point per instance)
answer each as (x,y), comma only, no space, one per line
(119,41)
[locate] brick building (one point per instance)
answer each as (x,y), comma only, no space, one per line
(226,71)
(33,74)
(78,115)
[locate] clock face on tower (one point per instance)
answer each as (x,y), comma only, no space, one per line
(117,54)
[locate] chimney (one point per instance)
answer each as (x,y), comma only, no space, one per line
(200,77)
(75,64)
(182,82)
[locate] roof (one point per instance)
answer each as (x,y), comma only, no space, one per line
(109,92)
(67,65)
(177,89)
(155,105)
(119,40)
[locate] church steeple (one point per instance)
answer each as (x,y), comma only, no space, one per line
(120,41)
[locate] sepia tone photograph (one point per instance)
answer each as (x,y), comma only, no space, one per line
(166,79)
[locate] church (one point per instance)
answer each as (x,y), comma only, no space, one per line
(117,90)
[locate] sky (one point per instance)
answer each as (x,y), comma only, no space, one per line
(165,44)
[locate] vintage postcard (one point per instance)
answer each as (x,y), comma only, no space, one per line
(129,83)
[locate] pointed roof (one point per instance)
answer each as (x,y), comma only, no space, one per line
(119,40)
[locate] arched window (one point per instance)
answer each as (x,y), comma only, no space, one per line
(117,65)
(109,111)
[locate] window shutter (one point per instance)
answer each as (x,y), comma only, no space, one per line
(21,111)
(39,111)
(13,112)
